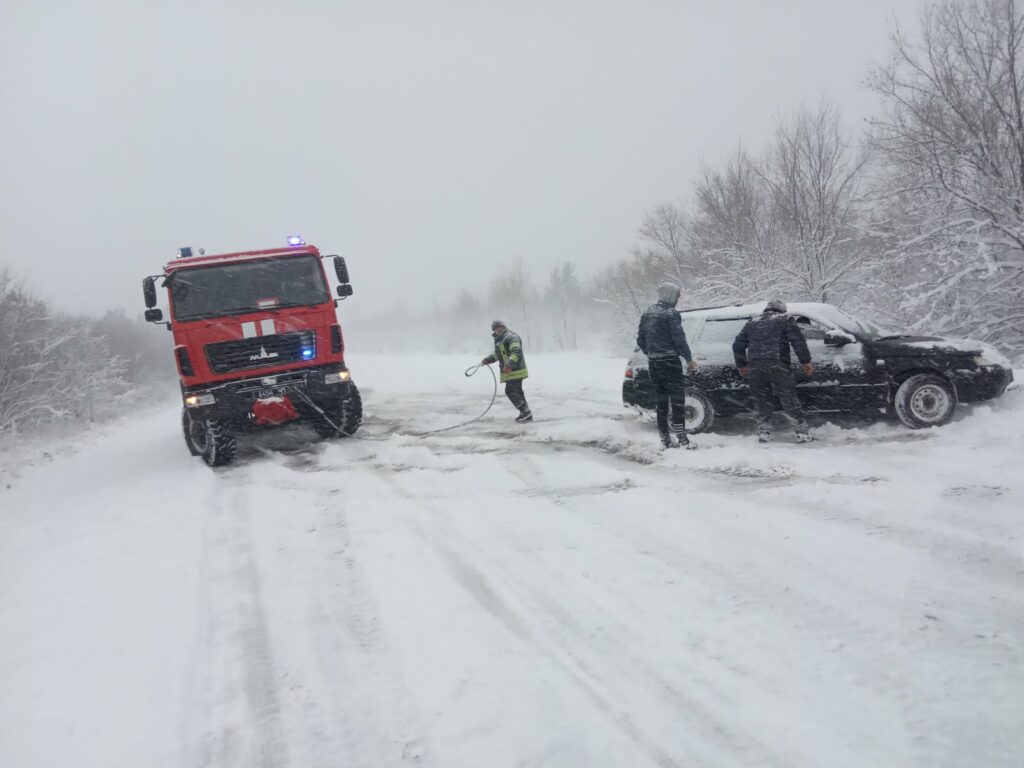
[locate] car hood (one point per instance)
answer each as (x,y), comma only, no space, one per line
(926,346)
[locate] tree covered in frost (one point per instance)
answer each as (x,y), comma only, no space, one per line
(815,177)
(55,367)
(921,225)
(952,142)
(785,223)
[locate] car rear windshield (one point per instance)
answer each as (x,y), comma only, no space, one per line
(235,289)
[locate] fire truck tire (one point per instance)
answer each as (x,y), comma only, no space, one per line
(346,412)
(213,439)
(185,424)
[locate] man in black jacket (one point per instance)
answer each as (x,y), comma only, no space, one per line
(761,350)
(662,339)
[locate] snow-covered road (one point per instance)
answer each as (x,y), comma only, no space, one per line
(557,594)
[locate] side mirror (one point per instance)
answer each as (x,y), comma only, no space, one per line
(154,316)
(344,290)
(341,269)
(836,338)
(149,292)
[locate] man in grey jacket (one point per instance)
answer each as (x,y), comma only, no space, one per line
(761,350)
(662,339)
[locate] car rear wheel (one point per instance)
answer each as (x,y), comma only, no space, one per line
(699,412)
(925,400)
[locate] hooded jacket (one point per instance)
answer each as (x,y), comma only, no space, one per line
(769,337)
(661,333)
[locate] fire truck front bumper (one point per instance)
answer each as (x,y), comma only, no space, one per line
(235,399)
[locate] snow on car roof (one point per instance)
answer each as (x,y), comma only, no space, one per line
(823,313)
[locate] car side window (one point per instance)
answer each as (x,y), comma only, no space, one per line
(810,331)
(716,338)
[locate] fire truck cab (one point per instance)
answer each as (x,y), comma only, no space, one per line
(257,343)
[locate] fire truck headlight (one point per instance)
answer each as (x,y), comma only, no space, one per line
(194,401)
(338,378)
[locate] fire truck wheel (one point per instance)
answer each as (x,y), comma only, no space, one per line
(186,423)
(345,412)
(212,439)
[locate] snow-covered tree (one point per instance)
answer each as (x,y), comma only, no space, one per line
(54,367)
(562,302)
(815,174)
(736,238)
(26,380)
(952,141)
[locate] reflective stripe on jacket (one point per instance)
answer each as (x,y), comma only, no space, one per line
(508,350)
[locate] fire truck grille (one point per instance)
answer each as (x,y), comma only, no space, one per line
(261,351)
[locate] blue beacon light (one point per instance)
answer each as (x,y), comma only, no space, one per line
(294,240)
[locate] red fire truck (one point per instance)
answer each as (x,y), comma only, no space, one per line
(257,343)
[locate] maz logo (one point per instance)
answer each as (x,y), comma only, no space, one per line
(263,355)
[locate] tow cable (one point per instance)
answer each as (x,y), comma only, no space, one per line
(339,430)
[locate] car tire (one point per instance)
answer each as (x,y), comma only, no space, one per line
(925,400)
(213,439)
(699,412)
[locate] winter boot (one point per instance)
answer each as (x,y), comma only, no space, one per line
(683,439)
(524,416)
(666,442)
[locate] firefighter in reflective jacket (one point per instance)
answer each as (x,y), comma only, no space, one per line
(508,349)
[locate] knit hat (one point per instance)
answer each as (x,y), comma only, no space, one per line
(775,306)
(498,324)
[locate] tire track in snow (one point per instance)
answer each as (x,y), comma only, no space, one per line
(469,571)
(714,731)
(244,727)
(873,657)
(364,664)
(351,706)
(749,597)
(874,678)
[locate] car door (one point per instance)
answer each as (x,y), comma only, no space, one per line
(717,375)
(842,379)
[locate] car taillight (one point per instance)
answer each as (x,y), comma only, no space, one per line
(629,373)
(336,339)
(184,363)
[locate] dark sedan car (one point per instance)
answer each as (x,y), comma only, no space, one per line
(857,368)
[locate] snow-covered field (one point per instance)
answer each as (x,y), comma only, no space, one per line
(556,594)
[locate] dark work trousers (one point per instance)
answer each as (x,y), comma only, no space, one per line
(514,392)
(767,376)
(670,395)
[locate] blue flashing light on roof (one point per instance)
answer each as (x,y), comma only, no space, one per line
(184,253)
(294,240)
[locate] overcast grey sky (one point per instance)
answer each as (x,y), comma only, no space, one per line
(428,142)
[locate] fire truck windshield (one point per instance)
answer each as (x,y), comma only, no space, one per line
(252,286)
